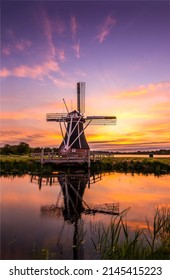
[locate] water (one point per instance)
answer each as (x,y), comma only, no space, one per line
(47,218)
(139,156)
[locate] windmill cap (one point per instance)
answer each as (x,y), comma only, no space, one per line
(74,113)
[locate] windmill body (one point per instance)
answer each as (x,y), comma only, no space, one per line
(73,124)
(74,140)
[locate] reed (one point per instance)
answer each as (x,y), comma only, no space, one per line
(117,242)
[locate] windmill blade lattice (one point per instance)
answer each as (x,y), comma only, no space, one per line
(101,120)
(58,117)
(81,97)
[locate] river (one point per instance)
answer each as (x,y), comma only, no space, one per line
(58,217)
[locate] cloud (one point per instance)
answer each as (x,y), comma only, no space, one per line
(38,71)
(76,48)
(74,26)
(131,147)
(80,73)
(28,135)
(11,115)
(59,26)
(21,115)
(23,45)
(61,55)
(144,89)
(61,83)
(4,72)
(47,26)
(18,46)
(162,106)
(105,28)
(6,51)
(50,29)
(133,93)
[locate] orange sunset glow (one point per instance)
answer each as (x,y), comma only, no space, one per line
(121,52)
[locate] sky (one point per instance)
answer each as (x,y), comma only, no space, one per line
(120,49)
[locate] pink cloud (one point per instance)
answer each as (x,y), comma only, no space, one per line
(61,55)
(105,28)
(20,46)
(76,48)
(48,33)
(74,26)
(4,72)
(59,26)
(36,71)
(51,65)
(23,44)
(80,73)
(6,51)
(61,83)
(142,90)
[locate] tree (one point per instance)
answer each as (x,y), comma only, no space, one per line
(6,150)
(23,148)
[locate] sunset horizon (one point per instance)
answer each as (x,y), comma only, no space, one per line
(119,49)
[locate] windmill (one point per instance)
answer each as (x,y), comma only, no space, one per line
(73,124)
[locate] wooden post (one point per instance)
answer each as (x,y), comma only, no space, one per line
(42,155)
(88,159)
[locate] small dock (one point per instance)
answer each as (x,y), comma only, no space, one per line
(69,160)
(64,160)
(56,159)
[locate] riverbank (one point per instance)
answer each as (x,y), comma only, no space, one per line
(24,164)
(136,165)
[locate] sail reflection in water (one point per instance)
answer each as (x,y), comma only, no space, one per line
(71,205)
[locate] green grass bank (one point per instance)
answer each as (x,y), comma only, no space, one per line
(16,164)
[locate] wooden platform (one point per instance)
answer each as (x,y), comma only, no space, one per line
(77,159)
(64,160)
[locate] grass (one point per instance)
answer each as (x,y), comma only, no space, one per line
(15,158)
(24,163)
(153,242)
(136,165)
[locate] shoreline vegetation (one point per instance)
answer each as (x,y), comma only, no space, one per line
(117,242)
(149,243)
(22,159)
(24,164)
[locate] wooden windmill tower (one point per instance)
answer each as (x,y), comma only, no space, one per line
(73,124)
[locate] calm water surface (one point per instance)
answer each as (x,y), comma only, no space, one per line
(54,214)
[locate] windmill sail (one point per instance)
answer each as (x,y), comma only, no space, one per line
(58,117)
(101,120)
(81,97)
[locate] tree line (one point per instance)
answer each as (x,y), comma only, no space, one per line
(23,149)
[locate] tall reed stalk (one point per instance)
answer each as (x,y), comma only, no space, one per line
(152,242)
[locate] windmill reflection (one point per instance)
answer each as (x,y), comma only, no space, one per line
(73,186)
